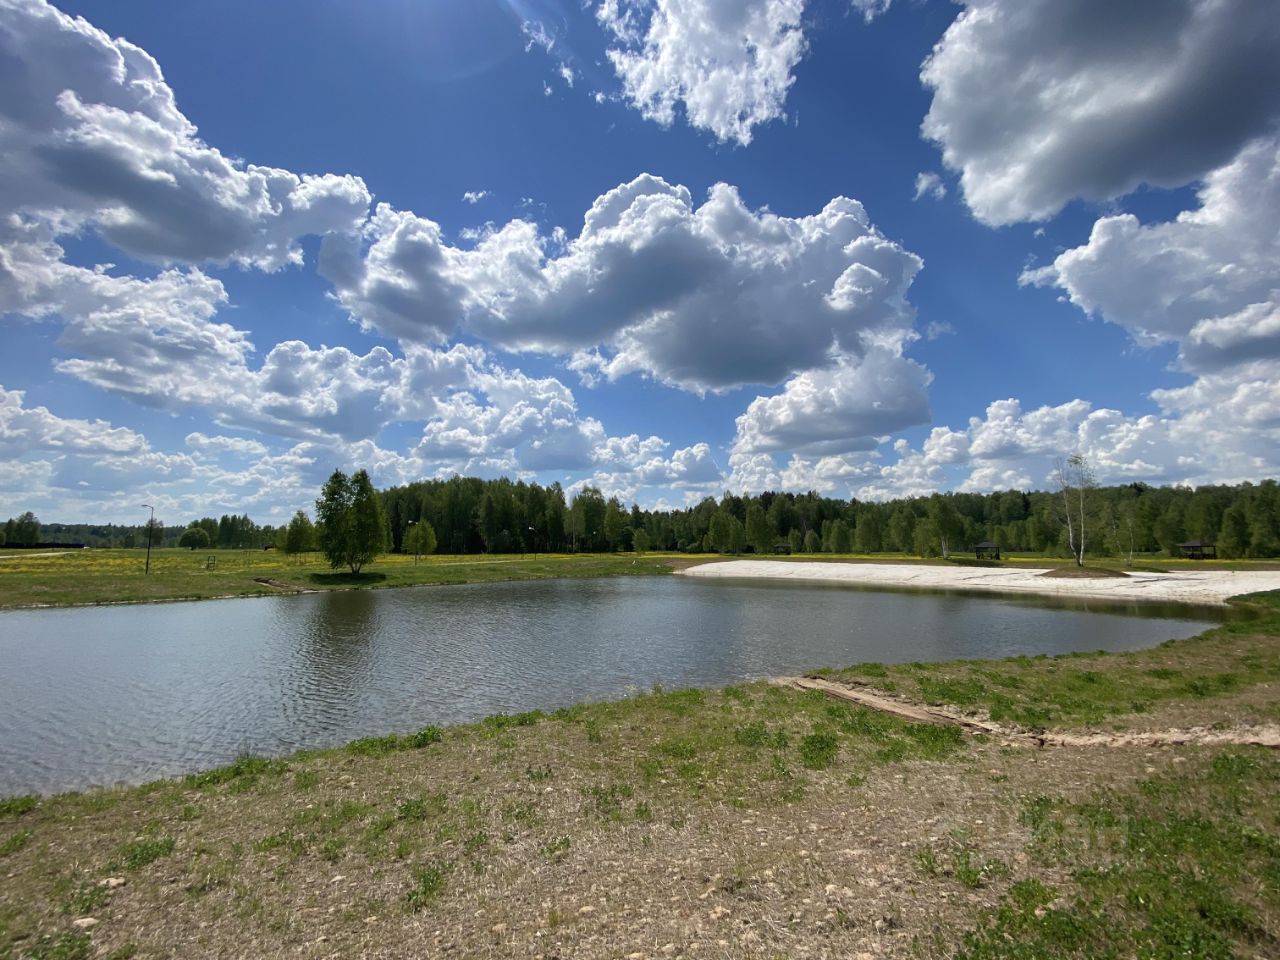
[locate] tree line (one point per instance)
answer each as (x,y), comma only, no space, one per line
(470,515)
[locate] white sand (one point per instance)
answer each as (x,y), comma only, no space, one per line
(1211,587)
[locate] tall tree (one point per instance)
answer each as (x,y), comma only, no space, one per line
(353,528)
(760,532)
(299,536)
(1075,481)
(613,523)
(197,538)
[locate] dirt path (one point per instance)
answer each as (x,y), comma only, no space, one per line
(1267,735)
(281,585)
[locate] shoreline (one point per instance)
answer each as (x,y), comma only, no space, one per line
(1193,587)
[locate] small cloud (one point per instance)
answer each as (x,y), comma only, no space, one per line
(538,36)
(929,184)
(546,89)
(566,73)
(475,196)
(938,328)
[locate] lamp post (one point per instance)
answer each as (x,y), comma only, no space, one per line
(150,523)
(416,541)
(534,542)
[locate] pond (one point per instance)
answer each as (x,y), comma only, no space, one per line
(96,696)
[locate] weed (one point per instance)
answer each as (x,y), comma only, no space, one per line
(678,748)
(17,806)
(245,771)
(140,853)
(66,946)
(375,746)
(422,808)
(424,737)
(475,842)
(428,883)
(297,845)
(818,750)
(607,800)
(927,861)
(557,849)
(538,774)
(15,843)
(306,779)
(643,813)
(86,898)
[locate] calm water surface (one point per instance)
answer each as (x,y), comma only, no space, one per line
(127,694)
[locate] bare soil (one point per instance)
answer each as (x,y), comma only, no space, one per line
(1083,573)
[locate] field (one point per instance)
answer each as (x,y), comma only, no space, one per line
(33,578)
(752,821)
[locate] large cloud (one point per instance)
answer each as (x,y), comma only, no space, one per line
(1208,280)
(838,409)
(1037,102)
(703,297)
(727,63)
(90,133)
(25,430)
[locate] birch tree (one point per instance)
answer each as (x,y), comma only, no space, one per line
(1075,479)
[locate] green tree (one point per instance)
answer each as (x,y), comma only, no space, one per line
(614,521)
(197,538)
(421,539)
(1233,538)
(353,528)
(760,532)
(947,525)
(26,529)
(811,543)
(640,540)
(720,532)
(299,536)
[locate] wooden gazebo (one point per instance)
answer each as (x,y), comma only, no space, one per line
(986,550)
(1198,550)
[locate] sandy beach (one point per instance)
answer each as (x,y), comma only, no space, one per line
(1211,587)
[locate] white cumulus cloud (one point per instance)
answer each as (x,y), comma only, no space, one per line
(1037,102)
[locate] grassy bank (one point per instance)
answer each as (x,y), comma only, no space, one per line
(117,576)
(752,821)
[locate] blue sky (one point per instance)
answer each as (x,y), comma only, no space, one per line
(668,247)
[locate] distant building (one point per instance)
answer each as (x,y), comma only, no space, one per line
(986,550)
(1197,550)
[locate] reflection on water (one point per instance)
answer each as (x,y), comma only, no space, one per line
(96,696)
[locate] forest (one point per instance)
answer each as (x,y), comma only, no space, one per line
(471,515)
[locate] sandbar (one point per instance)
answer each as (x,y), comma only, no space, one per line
(1203,587)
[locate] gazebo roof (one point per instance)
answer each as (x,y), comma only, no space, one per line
(984,545)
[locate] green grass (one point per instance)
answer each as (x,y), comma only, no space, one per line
(113,576)
(1182,866)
